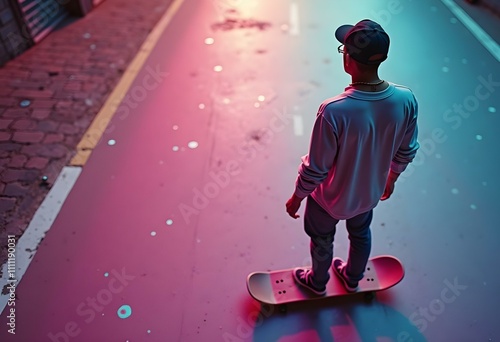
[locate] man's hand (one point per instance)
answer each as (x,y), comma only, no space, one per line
(389,185)
(389,189)
(293,205)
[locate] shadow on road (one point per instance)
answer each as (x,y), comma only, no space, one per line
(335,319)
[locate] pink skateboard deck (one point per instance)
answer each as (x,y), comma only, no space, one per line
(279,287)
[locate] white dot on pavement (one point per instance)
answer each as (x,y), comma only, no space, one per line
(209,41)
(454,191)
(192,144)
(111,142)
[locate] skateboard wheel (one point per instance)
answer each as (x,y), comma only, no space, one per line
(266,307)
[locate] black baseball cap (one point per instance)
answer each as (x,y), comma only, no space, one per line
(366,42)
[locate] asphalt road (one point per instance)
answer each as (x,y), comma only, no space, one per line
(184,195)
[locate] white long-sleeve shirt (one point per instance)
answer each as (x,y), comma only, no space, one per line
(357,137)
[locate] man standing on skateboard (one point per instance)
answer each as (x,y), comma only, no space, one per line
(361,142)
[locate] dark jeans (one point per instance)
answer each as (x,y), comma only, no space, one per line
(321,227)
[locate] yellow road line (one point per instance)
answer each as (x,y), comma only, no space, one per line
(102,119)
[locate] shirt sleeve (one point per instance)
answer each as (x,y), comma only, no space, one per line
(409,145)
(318,162)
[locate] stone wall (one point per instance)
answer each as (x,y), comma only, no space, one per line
(12,40)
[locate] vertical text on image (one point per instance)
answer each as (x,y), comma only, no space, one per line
(12,280)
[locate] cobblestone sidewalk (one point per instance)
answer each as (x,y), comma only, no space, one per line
(50,95)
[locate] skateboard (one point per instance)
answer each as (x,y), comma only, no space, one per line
(279,287)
